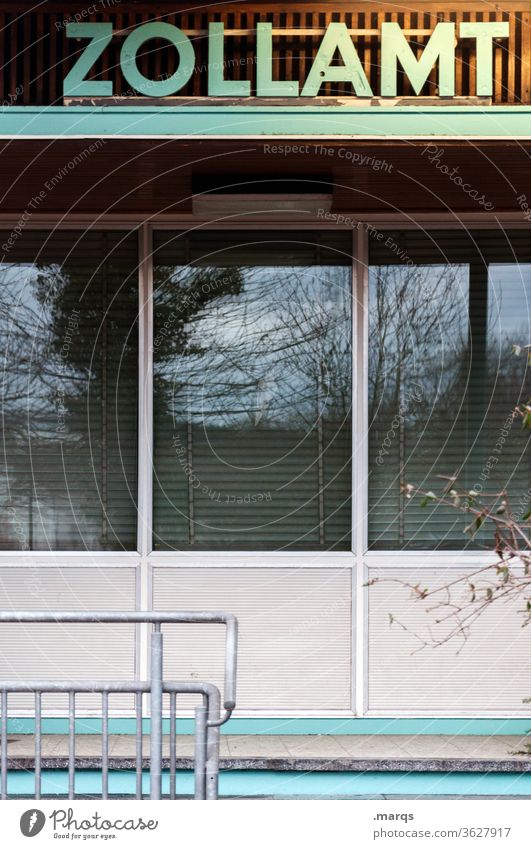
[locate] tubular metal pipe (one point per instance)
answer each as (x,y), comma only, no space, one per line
(200,751)
(173,745)
(209,727)
(71,745)
(221,721)
(231,662)
(117,616)
(186,616)
(38,746)
(212,748)
(105,745)
(156,714)
(91,685)
(138,706)
(87,685)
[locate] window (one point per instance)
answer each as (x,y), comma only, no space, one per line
(68,327)
(252,387)
(446,309)
(252,390)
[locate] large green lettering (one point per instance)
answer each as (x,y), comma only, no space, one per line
(484,32)
(266,86)
(218,86)
(395,48)
(75,84)
(133,43)
(337,38)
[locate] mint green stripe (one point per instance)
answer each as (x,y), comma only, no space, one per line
(303,784)
(89,725)
(279,121)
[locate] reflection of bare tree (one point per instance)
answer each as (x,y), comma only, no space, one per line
(418,362)
(276,344)
(428,338)
(270,340)
(270,360)
(418,331)
(64,346)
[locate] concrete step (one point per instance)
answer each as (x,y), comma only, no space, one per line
(326,753)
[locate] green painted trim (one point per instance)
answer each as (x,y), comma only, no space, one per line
(462,726)
(281,121)
(291,784)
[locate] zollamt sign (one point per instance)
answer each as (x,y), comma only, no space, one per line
(396,53)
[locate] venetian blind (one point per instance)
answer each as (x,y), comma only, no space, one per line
(252,390)
(446,309)
(68,325)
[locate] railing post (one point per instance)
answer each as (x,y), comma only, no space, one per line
(212,762)
(207,736)
(200,751)
(156,712)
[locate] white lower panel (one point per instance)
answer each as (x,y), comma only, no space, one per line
(295,633)
(67,651)
(491,671)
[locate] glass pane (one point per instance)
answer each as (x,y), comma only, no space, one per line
(445,311)
(252,403)
(506,455)
(69,304)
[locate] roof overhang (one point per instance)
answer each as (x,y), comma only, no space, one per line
(268,122)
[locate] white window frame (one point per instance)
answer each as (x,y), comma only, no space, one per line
(359,559)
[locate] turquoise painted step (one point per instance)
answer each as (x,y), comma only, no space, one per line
(262,783)
(468,726)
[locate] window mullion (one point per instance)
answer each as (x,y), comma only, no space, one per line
(359,464)
(145,436)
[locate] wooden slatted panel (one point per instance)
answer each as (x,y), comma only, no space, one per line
(37,54)
(24,50)
(431,21)
(39,57)
(407,21)
(463,60)
(375,53)
(525,95)
(456,18)
(508,49)
(11,37)
(286,20)
(518,59)
(50,52)
(5,57)
(308,46)
(238,72)
(363,43)
(380,18)
(403,20)
(498,64)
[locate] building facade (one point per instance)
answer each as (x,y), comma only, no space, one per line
(262,267)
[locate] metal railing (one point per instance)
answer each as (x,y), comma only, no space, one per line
(208,715)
